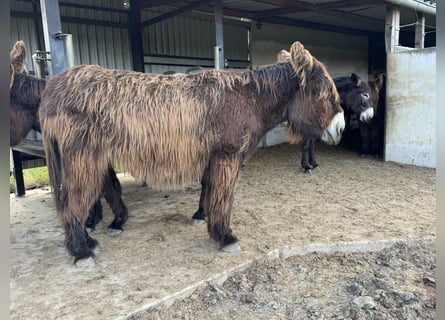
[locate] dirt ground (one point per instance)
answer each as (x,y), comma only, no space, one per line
(353,241)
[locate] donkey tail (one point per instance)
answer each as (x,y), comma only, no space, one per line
(55,171)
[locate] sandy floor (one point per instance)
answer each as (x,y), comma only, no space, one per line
(160,254)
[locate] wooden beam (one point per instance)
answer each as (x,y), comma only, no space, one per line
(392,28)
(419,40)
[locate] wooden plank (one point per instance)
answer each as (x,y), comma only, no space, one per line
(392,28)
(419,40)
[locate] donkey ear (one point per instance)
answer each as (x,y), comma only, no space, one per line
(302,61)
(355,79)
(283,56)
(379,80)
(17,56)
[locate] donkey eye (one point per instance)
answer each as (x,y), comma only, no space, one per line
(365,95)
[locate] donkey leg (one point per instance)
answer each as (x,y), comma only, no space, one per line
(312,161)
(199,215)
(79,192)
(305,146)
(112,192)
(375,140)
(364,139)
(223,174)
(95,215)
(77,241)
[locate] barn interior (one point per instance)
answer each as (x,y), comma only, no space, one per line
(362,36)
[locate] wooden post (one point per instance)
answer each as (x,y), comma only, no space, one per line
(52,32)
(219,46)
(392,28)
(419,41)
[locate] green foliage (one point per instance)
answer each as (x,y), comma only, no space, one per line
(34,178)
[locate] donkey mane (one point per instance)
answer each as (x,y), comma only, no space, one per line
(265,78)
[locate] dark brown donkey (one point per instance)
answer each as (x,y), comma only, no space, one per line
(25,95)
(175,130)
(372,132)
(356,97)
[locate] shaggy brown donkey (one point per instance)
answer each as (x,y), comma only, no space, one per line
(356,97)
(174,130)
(25,94)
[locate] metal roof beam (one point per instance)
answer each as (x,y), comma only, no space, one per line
(176,12)
(349,3)
(312,25)
(299,6)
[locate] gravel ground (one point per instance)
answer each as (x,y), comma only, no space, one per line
(395,283)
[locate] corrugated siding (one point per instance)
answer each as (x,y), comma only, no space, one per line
(106,41)
(106,46)
(186,36)
(25,29)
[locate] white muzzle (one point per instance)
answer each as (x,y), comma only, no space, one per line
(367,115)
(332,134)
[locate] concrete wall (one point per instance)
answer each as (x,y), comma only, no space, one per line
(410,136)
(341,53)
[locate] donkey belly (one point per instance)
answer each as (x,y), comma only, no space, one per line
(166,163)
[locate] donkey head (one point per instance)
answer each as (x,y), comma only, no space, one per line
(377,91)
(24,96)
(314,111)
(358,98)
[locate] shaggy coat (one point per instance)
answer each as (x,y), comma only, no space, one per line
(25,95)
(357,98)
(175,130)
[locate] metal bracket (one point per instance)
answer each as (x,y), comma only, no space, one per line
(59,35)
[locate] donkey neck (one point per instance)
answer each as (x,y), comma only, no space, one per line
(26,93)
(274,87)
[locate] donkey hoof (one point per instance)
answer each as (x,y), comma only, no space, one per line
(232,248)
(113,232)
(308,171)
(317,168)
(86,263)
(197,222)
